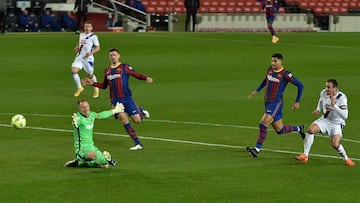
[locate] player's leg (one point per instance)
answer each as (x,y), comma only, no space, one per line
(193,14)
(187,20)
(309,139)
(89,69)
(266,120)
(335,143)
(75,68)
(130,110)
(281,128)
(270,21)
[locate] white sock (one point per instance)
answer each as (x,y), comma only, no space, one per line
(308,141)
(342,152)
(94,80)
(77,79)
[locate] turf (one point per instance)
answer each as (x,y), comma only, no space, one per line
(201,120)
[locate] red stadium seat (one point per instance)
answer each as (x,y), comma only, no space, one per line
(231,3)
(318,10)
(239,10)
(240,4)
(223,3)
(312,4)
(230,10)
(255,9)
(150,9)
(212,9)
(304,5)
(220,10)
(246,10)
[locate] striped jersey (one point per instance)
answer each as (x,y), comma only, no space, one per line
(275,84)
(118,81)
(271,7)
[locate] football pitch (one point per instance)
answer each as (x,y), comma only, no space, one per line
(201,120)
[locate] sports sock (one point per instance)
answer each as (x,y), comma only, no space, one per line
(94,79)
(342,152)
(77,79)
(308,141)
(132,133)
(262,136)
(287,129)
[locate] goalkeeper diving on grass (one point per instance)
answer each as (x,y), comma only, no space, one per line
(86,153)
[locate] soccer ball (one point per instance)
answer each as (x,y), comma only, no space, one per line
(18,121)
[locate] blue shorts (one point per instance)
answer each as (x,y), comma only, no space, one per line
(274,109)
(270,19)
(130,107)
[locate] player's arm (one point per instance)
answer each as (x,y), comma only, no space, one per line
(101,85)
(261,86)
(130,71)
(96,46)
(119,108)
(341,107)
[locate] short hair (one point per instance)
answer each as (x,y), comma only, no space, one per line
(82,100)
(88,22)
(113,49)
(333,81)
(277,55)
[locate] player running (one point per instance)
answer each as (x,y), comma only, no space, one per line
(333,105)
(87,46)
(275,83)
(116,76)
(86,153)
(271,7)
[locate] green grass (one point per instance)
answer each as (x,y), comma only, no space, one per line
(201,119)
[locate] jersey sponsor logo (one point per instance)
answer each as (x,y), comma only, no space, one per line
(273,79)
(112,77)
(89,127)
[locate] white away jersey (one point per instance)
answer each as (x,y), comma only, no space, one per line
(86,43)
(337,114)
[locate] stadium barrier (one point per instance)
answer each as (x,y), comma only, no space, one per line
(254,22)
(344,23)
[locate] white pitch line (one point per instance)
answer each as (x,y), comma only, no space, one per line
(179,122)
(180,141)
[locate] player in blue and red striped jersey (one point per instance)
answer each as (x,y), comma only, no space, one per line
(116,76)
(275,84)
(271,7)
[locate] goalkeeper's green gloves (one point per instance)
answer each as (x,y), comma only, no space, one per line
(119,108)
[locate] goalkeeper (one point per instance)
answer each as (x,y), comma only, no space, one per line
(86,153)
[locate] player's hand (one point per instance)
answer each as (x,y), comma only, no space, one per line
(75,119)
(295,106)
(315,112)
(252,94)
(87,81)
(119,108)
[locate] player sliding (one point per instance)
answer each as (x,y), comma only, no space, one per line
(86,153)
(275,83)
(116,76)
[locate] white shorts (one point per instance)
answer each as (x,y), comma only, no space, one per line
(329,128)
(85,63)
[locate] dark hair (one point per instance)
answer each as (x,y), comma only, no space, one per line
(114,49)
(88,22)
(82,100)
(333,81)
(277,55)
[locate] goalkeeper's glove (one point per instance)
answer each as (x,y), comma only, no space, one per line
(119,108)
(75,119)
